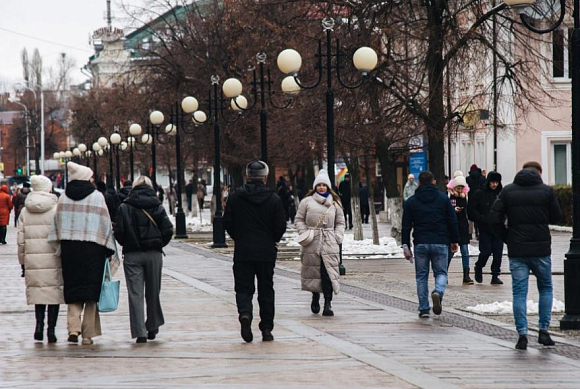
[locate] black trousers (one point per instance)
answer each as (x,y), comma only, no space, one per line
(244,274)
(348,216)
(3,230)
(326,283)
(490,244)
(365,212)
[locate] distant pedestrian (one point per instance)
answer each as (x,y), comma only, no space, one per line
(282,191)
(432,218)
(345,198)
(410,187)
(529,207)
(83,228)
(19,200)
(200,195)
(123,193)
(143,229)
(365,211)
(480,203)
(5,208)
(458,197)
(321,211)
(189,188)
(476,181)
(38,258)
(255,219)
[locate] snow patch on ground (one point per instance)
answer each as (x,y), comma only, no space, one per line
(561,228)
(197,224)
(506,307)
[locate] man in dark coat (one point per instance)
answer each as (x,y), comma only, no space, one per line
(432,218)
(345,195)
(255,219)
(19,201)
(284,194)
(529,207)
(475,180)
(189,188)
(480,203)
(365,212)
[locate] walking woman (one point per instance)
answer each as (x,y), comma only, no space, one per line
(5,208)
(321,212)
(82,226)
(458,190)
(40,263)
(143,229)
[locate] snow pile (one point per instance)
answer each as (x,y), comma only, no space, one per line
(386,246)
(195,224)
(506,307)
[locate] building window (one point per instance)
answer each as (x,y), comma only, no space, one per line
(561,53)
(562,166)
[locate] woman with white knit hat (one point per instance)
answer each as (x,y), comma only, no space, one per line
(40,262)
(82,226)
(320,216)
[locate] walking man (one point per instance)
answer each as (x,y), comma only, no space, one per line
(345,196)
(432,218)
(478,209)
(256,221)
(529,206)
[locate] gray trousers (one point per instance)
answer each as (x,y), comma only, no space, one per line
(143,276)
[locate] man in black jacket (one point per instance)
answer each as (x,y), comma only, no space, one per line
(432,218)
(345,196)
(478,209)
(529,206)
(256,220)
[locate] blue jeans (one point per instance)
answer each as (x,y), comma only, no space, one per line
(436,255)
(541,267)
(464,248)
(488,245)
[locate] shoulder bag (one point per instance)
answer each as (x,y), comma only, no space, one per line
(109,298)
(305,238)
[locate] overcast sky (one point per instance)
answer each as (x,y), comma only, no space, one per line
(52,26)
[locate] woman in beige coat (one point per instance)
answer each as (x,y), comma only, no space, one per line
(41,266)
(321,211)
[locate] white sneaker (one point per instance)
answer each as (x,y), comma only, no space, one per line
(87,341)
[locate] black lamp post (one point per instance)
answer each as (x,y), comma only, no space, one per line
(261,86)
(289,61)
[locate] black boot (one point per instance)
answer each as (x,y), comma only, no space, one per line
(3,230)
(52,318)
(315,305)
(327,307)
(544,338)
(39,311)
(478,274)
(496,281)
(466,279)
(522,343)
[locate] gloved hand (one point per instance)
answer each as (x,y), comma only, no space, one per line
(22,267)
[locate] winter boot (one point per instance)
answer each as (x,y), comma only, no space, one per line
(327,307)
(466,279)
(544,338)
(267,335)
(496,281)
(478,274)
(522,343)
(39,311)
(52,318)
(246,330)
(315,304)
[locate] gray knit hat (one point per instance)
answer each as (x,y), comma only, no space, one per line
(257,170)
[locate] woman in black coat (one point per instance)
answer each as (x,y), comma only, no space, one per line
(143,229)
(458,198)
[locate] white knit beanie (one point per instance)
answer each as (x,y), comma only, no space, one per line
(41,184)
(458,173)
(322,178)
(459,181)
(78,172)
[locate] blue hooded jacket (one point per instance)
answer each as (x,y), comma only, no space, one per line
(431,216)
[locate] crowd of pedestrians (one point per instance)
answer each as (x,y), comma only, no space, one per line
(90,218)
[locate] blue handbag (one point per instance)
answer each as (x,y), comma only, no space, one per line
(109,299)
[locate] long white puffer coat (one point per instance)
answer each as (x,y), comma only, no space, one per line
(43,275)
(327,238)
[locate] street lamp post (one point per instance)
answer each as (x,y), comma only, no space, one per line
(365,60)
(261,85)
(115,139)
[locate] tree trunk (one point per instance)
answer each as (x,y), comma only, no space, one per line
(374,225)
(394,200)
(435,69)
(354,170)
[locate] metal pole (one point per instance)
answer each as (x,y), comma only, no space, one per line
(95,164)
(41,130)
(180,229)
(329,111)
(494,32)
(111,177)
(153,156)
(263,117)
(219,235)
(118,179)
(572,262)
(27,145)
(131,161)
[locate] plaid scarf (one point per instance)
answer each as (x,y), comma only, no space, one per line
(86,220)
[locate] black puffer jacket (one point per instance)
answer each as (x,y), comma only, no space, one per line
(134,230)
(529,206)
(481,200)
(475,179)
(123,193)
(256,221)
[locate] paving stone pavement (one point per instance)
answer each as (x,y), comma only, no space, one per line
(367,345)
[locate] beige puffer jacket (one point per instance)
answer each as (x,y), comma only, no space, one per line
(325,245)
(43,275)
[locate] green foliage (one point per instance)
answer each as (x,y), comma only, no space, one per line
(564,195)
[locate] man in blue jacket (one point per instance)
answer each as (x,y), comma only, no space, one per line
(435,231)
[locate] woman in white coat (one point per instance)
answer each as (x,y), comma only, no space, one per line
(41,266)
(321,212)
